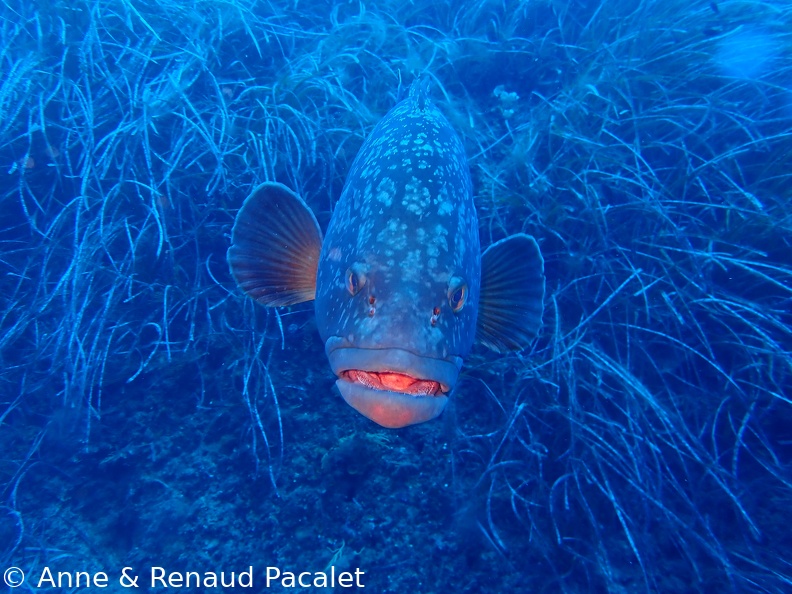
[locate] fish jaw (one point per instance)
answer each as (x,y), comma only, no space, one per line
(392,387)
(392,410)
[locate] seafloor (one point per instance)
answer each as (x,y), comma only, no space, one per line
(152,416)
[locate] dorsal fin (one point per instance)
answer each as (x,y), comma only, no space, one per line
(275,246)
(419,92)
(512,292)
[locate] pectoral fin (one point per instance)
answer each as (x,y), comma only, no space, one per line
(512,292)
(275,246)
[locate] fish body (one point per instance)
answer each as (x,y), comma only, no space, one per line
(397,280)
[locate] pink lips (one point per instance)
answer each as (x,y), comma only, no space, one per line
(393,382)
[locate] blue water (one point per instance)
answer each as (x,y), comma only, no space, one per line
(153,418)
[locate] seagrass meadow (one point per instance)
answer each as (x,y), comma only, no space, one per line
(151,415)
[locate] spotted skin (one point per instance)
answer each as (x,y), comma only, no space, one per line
(406,218)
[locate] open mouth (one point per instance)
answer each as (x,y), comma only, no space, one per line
(391,386)
(393,382)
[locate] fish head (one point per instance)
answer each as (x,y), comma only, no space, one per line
(396,337)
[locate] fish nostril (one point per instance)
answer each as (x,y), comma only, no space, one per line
(435,315)
(371,300)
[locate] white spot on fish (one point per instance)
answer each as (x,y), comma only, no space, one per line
(385,191)
(439,241)
(334,254)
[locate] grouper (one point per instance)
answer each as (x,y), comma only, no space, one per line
(400,285)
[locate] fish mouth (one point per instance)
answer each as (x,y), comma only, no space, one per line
(393,387)
(393,382)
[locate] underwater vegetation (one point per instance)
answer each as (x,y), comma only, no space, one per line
(151,415)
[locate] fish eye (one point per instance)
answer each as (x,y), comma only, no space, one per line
(457,293)
(355,279)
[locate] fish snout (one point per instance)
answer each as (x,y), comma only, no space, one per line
(392,387)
